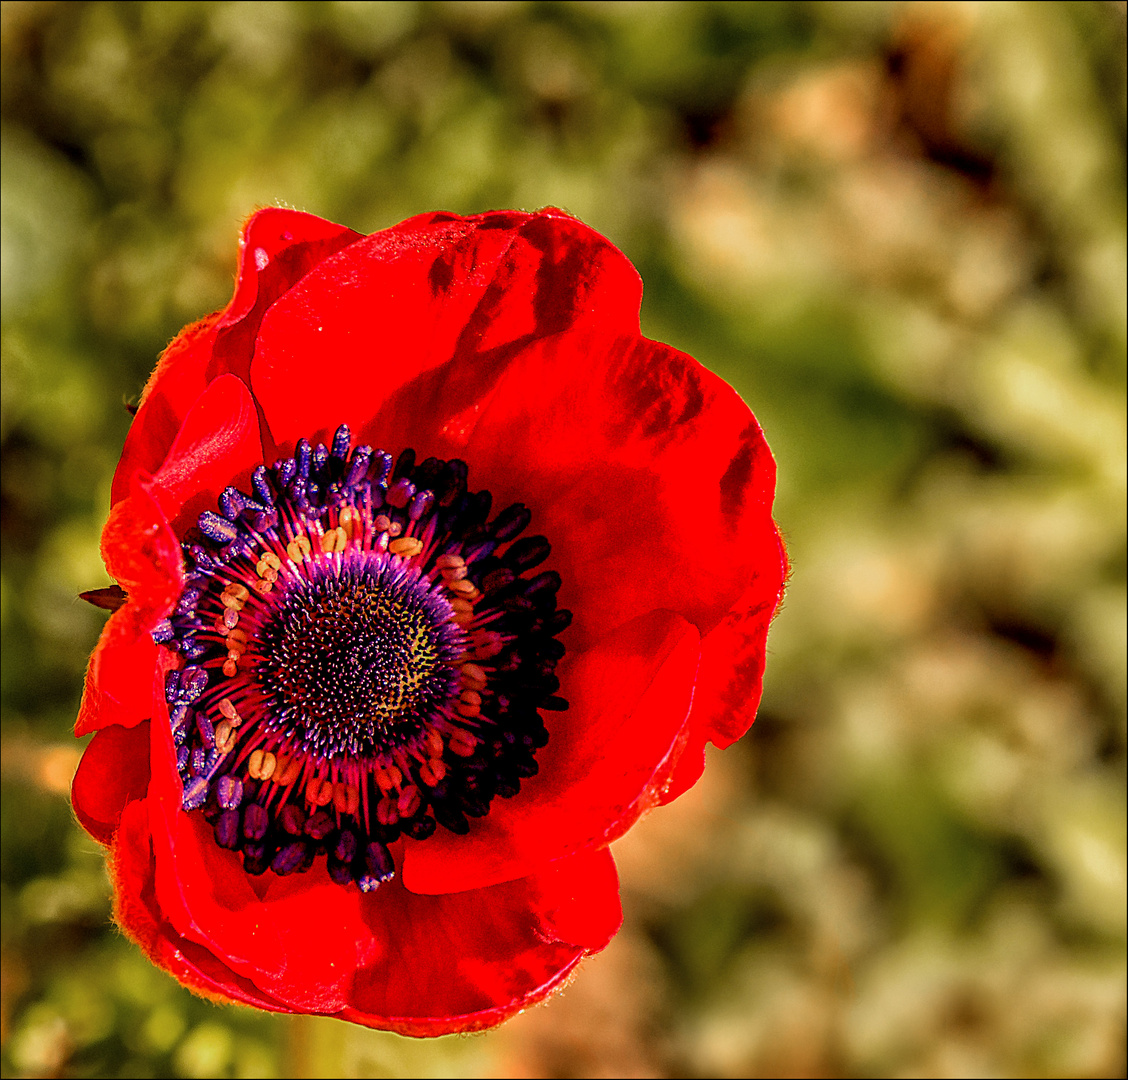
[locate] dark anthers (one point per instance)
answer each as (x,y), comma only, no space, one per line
(365,656)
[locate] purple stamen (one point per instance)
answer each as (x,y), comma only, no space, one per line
(260,481)
(341,442)
(217,528)
(302,458)
(289,858)
(195,793)
(400,493)
(229,792)
(255,822)
(227,829)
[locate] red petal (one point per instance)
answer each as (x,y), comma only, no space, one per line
(606,761)
(647,472)
(466,961)
(201,888)
(277,248)
(410,328)
(138,914)
(217,445)
(732,654)
(172,388)
(680,480)
(120,677)
(580,896)
(142,554)
(731,679)
(390,959)
(113,771)
(263,928)
(318,947)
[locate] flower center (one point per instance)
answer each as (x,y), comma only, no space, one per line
(356,659)
(364,657)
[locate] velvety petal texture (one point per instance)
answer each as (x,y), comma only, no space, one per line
(509,341)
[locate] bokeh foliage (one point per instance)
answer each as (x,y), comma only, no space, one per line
(899,231)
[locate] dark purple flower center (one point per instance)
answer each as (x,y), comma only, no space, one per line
(361,651)
(364,656)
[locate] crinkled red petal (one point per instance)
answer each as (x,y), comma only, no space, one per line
(732,654)
(486,954)
(217,445)
(579,897)
(391,959)
(459,961)
(179,379)
(114,770)
(140,916)
(731,679)
(603,765)
(645,459)
(317,947)
(142,553)
(120,677)
(276,249)
(410,329)
(645,470)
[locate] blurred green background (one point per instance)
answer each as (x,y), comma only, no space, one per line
(899,231)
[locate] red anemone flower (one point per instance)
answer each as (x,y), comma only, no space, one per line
(362,737)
